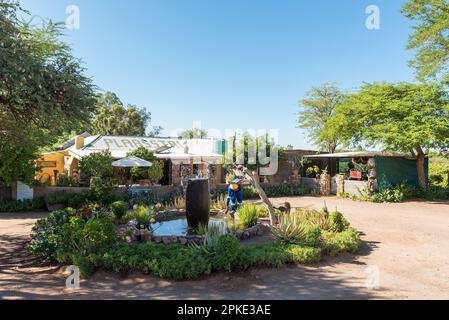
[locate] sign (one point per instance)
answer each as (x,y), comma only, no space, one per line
(24,192)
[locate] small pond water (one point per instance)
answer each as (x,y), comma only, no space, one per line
(179,226)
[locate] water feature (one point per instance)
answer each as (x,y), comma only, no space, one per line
(180,226)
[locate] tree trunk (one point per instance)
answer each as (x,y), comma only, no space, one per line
(420,160)
(263,196)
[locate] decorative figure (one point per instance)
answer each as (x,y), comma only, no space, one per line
(235,197)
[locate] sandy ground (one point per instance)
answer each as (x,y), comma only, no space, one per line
(406,244)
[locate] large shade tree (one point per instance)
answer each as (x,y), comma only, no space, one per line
(114,118)
(43,91)
(430,38)
(405,117)
(316,110)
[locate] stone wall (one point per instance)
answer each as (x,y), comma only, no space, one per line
(310,183)
(46,191)
(354,187)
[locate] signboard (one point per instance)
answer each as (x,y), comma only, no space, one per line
(24,192)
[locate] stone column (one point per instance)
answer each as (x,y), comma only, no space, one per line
(325,184)
(176,174)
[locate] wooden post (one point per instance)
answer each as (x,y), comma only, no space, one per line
(263,196)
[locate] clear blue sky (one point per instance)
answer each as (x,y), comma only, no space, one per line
(232,64)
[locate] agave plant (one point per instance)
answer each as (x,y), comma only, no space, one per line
(290,229)
(211,234)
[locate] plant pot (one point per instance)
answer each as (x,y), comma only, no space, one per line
(56,206)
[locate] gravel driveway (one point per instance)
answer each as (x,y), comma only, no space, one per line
(406,244)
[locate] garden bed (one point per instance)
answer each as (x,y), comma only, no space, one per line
(173,215)
(90,241)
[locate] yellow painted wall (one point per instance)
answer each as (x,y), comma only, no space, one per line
(47,173)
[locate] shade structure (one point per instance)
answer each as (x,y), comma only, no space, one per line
(131,162)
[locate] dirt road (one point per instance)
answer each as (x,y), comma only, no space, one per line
(406,244)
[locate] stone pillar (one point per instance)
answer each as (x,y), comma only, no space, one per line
(340,184)
(175,174)
(325,184)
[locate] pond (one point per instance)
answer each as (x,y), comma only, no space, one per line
(179,226)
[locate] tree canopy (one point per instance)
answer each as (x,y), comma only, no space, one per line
(114,118)
(193,134)
(430,38)
(411,118)
(317,109)
(43,91)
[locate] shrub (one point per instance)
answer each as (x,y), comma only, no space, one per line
(142,214)
(22,205)
(79,239)
(76,201)
(67,181)
(119,208)
(47,233)
(58,198)
(438,172)
(312,236)
(314,217)
(337,242)
(267,254)
(248,214)
(227,251)
(301,254)
(338,222)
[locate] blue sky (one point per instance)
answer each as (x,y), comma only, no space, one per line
(232,64)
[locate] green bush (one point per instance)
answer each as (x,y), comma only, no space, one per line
(227,252)
(301,254)
(337,242)
(248,214)
(119,208)
(312,236)
(66,181)
(59,198)
(47,233)
(338,222)
(438,172)
(77,200)
(79,239)
(22,205)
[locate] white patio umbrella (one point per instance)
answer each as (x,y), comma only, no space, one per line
(131,162)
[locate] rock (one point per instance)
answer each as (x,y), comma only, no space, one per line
(166,240)
(182,240)
(238,234)
(246,235)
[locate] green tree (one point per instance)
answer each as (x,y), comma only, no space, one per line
(248,151)
(113,118)
(405,117)
(317,108)
(155,172)
(43,91)
(193,134)
(430,38)
(98,164)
